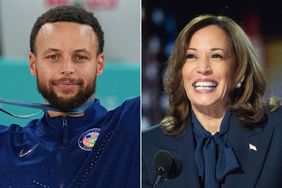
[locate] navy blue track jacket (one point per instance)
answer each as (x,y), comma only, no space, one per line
(57,152)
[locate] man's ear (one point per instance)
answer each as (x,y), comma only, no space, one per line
(32,63)
(100,64)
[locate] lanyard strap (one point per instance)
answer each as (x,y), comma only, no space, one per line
(42,107)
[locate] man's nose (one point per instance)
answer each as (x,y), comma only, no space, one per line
(67,67)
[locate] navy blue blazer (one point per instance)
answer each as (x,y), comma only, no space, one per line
(259,169)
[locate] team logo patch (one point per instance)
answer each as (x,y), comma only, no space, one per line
(88,139)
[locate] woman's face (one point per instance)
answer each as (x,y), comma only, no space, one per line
(207,70)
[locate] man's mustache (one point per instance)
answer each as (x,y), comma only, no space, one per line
(67,81)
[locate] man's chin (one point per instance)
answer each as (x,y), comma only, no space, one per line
(66,106)
(66,101)
(66,93)
(66,96)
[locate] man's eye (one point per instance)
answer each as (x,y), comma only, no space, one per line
(53,57)
(81,57)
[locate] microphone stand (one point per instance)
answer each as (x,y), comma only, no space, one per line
(160,173)
(157,180)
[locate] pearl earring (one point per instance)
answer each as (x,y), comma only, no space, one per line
(238,85)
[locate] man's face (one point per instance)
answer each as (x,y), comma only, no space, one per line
(66,63)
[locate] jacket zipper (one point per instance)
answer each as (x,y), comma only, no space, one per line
(61,149)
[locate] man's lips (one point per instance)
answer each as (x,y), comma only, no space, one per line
(67,83)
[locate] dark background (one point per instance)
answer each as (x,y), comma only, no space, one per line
(162,20)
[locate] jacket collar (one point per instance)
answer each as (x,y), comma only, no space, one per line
(182,147)
(51,128)
(251,161)
(189,156)
(250,146)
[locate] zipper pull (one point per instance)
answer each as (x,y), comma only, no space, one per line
(65,132)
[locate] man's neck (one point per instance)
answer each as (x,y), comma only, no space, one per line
(56,114)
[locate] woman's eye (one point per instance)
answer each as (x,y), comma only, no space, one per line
(190,56)
(217,56)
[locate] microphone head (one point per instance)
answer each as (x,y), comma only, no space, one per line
(175,169)
(166,165)
(163,162)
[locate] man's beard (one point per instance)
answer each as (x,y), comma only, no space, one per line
(67,104)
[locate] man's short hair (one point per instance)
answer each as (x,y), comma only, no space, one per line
(68,14)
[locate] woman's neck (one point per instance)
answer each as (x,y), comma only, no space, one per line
(210,119)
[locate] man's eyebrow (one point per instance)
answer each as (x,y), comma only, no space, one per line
(82,50)
(58,50)
(51,50)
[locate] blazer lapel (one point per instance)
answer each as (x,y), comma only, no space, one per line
(186,146)
(250,147)
(182,147)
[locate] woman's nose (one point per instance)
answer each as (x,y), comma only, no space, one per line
(204,66)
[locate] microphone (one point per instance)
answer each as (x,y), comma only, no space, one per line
(166,166)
